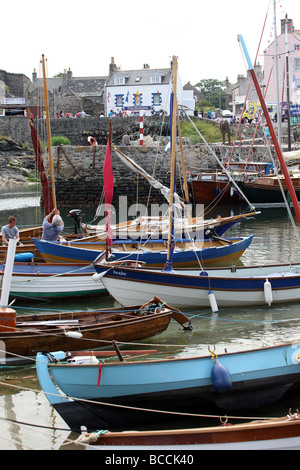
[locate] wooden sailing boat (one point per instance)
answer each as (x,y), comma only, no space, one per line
(216,287)
(152,251)
(80,331)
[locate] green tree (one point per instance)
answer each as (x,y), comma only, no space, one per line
(214,91)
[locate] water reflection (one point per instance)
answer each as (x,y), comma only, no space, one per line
(27,420)
(23,202)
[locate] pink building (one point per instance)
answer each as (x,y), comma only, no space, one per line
(294,66)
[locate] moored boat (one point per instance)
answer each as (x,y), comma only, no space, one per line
(208,186)
(153,253)
(265,434)
(52,281)
(231,286)
(119,395)
(76,330)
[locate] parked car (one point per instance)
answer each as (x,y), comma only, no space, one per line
(227,114)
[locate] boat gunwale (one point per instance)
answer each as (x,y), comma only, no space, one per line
(266,423)
(186,358)
(188,273)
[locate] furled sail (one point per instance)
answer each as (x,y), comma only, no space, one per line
(46,185)
(178,202)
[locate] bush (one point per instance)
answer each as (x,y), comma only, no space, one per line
(55,141)
(210,132)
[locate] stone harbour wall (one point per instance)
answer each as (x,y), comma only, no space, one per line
(78,167)
(78,130)
(79,174)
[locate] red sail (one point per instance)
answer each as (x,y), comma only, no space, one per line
(108,183)
(46,186)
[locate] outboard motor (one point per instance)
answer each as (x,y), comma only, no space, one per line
(77,216)
(210,233)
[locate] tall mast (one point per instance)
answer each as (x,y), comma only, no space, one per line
(52,183)
(172,178)
(186,191)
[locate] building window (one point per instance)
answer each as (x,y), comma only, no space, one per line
(137,99)
(119,80)
(155,79)
(119,101)
(297,64)
(156,99)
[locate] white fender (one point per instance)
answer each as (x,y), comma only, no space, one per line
(98,276)
(268,292)
(213,302)
(73,334)
(296,357)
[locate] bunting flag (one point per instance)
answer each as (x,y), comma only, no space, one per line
(108,97)
(295,81)
(127,97)
(108,187)
(136,96)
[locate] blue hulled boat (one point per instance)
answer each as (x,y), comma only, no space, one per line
(229,381)
(149,253)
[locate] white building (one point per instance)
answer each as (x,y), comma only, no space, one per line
(146,91)
(270,80)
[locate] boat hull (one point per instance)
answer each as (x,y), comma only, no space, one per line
(209,253)
(51,281)
(273,434)
(258,377)
(267,190)
(191,288)
(98,328)
(204,192)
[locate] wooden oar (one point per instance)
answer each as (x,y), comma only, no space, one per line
(177,315)
(111,353)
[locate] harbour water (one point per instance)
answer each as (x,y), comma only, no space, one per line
(27,421)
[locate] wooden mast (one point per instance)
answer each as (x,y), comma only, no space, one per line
(52,183)
(185,185)
(109,143)
(172,178)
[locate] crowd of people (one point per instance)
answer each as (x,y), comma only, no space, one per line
(212,115)
(79,114)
